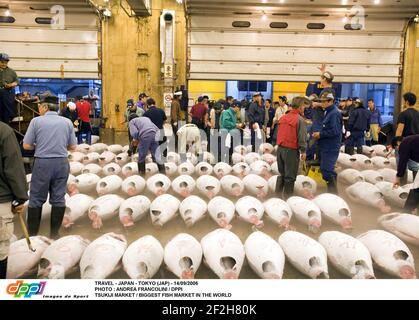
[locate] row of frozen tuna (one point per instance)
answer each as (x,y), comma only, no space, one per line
(222,210)
(375,188)
(172,169)
(184,185)
(223,252)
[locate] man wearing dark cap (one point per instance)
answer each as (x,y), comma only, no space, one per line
(229,101)
(329,137)
(51,136)
(8,83)
(142,102)
(132,113)
(256,116)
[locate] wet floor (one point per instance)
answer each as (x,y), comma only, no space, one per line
(364,219)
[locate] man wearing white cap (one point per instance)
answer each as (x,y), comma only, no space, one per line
(176,114)
(70,112)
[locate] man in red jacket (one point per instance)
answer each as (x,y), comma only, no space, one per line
(292,145)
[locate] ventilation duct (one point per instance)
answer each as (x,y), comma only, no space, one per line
(141,8)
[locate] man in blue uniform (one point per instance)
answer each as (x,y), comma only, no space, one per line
(329,140)
(358,125)
(326,82)
(50,136)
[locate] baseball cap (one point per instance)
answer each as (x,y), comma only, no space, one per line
(4,57)
(179,93)
(328,75)
(143,95)
(236,104)
(72,106)
(50,99)
(130,102)
(327,96)
(257,94)
(313,97)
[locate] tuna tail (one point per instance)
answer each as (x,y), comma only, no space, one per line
(362,271)
(318,270)
(142,270)
(89,272)
(269,270)
(44,268)
(186,265)
(229,266)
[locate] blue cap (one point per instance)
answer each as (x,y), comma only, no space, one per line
(130,102)
(4,57)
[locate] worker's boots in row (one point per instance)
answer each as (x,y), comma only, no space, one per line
(284,189)
(332,186)
(412,201)
(34,221)
(142,168)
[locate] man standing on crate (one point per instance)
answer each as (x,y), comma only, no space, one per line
(8,82)
(51,136)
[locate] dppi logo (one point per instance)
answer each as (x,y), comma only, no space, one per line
(27,290)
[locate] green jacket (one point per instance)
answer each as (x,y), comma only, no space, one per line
(139,112)
(228,120)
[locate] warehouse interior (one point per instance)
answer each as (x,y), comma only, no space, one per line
(109,52)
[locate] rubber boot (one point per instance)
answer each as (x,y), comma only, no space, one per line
(279,189)
(162,168)
(288,190)
(332,186)
(403,180)
(349,150)
(412,201)
(34,221)
(3,268)
(57,215)
(141,169)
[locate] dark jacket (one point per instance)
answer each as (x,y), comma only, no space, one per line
(359,120)
(256,114)
(331,132)
(408,150)
(73,116)
(13,184)
(157,116)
